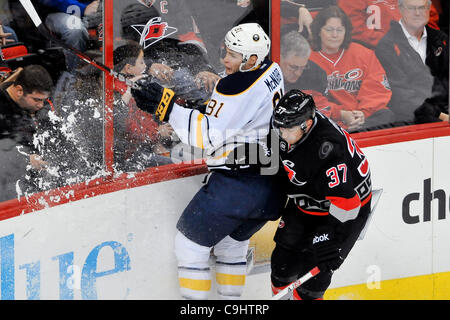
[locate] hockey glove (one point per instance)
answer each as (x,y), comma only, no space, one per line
(327,253)
(427,112)
(154,99)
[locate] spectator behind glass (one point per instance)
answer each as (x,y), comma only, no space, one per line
(21,107)
(177,60)
(82,113)
(145,136)
(357,84)
(371,19)
(301,73)
(7,35)
(82,110)
(30,89)
(415,58)
(213,31)
(64,17)
(298,15)
(443,16)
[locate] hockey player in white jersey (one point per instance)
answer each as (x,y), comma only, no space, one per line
(238,198)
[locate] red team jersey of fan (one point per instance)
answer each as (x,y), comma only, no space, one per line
(370,18)
(356,81)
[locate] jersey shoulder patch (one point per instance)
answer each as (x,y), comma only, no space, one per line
(328,140)
(325,149)
(239,82)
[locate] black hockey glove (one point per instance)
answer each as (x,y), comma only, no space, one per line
(154,99)
(326,250)
(426,113)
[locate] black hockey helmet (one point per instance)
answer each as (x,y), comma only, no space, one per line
(294,109)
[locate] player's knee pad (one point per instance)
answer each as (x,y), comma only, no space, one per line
(231,267)
(280,278)
(285,266)
(194,273)
(230,249)
(187,251)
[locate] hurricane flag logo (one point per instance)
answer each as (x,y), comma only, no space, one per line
(153,31)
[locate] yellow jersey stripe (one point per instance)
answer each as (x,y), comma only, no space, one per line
(193,284)
(199,131)
(230,279)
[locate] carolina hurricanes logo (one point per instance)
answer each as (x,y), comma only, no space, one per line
(289,167)
(353,74)
(153,31)
(350,81)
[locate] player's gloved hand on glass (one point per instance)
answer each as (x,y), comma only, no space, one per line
(153,98)
(326,250)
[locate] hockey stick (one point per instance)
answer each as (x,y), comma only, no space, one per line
(31,11)
(297,283)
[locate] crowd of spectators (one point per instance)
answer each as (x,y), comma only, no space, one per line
(369,64)
(386,62)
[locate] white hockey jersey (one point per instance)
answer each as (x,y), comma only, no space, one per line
(238,113)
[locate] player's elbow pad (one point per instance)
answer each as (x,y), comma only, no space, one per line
(344,209)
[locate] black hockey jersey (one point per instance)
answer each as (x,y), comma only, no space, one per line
(328,173)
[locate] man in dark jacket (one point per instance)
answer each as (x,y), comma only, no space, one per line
(299,72)
(21,105)
(415,58)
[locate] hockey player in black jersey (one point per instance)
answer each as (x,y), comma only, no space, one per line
(328,190)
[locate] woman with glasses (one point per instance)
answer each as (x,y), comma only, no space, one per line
(358,89)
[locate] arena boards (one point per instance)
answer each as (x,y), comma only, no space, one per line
(114,239)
